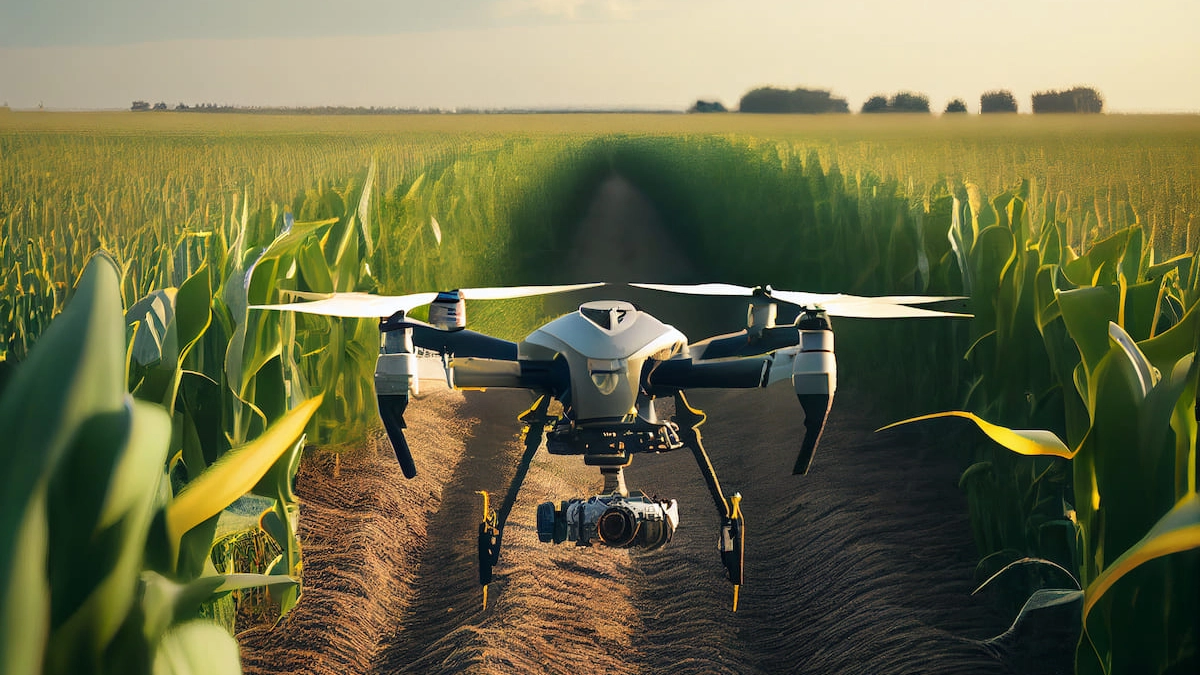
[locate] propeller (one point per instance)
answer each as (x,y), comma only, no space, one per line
(398,367)
(366,305)
(835,304)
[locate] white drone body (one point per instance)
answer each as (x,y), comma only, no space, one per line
(606,345)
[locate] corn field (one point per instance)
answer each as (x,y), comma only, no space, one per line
(175,406)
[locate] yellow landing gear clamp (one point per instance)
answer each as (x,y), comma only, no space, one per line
(488,544)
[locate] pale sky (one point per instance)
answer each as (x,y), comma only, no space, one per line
(1143,55)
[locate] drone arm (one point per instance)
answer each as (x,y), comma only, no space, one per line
(463,343)
(547,376)
(677,374)
(744,343)
(809,364)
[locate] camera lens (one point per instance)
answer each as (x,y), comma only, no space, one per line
(617,527)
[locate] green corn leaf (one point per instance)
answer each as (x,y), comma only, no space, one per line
(193,310)
(1146,376)
(313,268)
(75,372)
(364,211)
(117,546)
(277,482)
(1177,531)
(166,602)
(290,242)
(1034,442)
(1186,424)
(1139,313)
(1166,348)
(1027,561)
(1087,312)
(197,648)
(154,340)
(236,472)
(1181,262)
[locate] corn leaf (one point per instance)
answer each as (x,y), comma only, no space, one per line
(236,472)
(197,648)
(1035,442)
(1177,531)
(66,380)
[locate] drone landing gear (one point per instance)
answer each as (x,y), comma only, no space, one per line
(491,528)
(732,542)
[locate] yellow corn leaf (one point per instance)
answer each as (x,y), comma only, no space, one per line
(236,472)
(1175,532)
(1020,441)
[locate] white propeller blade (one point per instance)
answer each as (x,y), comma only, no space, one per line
(356,305)
(836,304)
(366,306)
(872,310)
(700,289)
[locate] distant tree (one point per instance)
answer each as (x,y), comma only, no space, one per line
(903,102)
(875,104)
(907,101)
(1077,100)
(799,100)
(160,106)
(956,106)
(707,107)
(140,105)
(181,106)
(998,101)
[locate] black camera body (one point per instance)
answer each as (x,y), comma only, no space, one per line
(615,520)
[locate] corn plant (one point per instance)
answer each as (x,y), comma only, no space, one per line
(86,478)
(1119,338)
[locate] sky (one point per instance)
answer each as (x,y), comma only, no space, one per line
(1143,56)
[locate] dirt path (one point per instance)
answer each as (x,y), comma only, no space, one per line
(863,566)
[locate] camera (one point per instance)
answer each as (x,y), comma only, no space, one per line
(615,520)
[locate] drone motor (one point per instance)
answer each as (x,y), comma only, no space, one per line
(448,311)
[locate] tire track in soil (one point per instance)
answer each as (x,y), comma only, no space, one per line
(863,566)
(551,610)
(363,529)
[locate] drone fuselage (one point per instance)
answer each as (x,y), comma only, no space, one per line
(606,345)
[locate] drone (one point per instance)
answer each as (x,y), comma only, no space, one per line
(607,364)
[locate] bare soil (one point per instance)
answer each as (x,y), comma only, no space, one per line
(863,566)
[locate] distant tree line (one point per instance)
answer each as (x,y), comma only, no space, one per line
(998,101)
(903,102)
(139,106)
(956,106)
(1077,100)
(707,106)
(799,100)
(816,101)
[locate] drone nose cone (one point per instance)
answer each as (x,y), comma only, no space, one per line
(611,316)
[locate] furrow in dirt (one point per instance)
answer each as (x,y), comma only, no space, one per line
(363,531)
(864,565)
(552,610)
